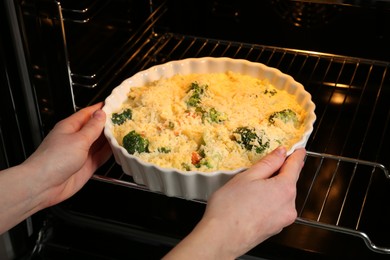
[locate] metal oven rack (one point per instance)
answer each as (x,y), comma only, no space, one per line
(337,182)
(345,177)
(353,115)
(315,220)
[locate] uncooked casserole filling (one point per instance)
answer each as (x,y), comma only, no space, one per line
(207,122)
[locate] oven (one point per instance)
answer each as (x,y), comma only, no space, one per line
(60,56)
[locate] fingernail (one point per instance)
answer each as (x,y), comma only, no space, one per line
(98,114)
(281,150)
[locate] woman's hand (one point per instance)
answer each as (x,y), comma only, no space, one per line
(71,153)
(61,165)
(251,207)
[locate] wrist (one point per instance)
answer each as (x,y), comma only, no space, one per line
(206,241)
(33,180)
(20,196)
(216,239)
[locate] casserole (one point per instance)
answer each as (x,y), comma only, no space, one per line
(196,184)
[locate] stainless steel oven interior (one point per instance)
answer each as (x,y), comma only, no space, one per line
(338,51)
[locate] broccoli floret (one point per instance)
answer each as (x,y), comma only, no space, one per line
(120,118)
(196,93)
(134,142)
(164,150)
(249,139)
(186,167)
(286,115)
(212,116)
(215,116)
(203,162)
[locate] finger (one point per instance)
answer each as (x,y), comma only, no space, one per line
(100,152)
(76,121)
(94,127)
(293,165)
(269,164)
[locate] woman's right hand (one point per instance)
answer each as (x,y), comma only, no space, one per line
(253,206)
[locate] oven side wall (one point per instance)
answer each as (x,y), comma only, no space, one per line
(20,126)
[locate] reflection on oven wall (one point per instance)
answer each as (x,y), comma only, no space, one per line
(78,52)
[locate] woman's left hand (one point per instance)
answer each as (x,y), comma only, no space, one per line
(71,153)
(61,165)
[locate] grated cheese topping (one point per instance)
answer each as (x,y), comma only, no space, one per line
(208,122)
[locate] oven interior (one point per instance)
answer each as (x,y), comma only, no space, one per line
(338,51)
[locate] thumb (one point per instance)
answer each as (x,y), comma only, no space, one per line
(293,165)
(94,126)
(269,164)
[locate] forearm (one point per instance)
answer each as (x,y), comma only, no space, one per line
(20,197)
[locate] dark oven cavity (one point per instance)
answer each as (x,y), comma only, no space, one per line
(338,51)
